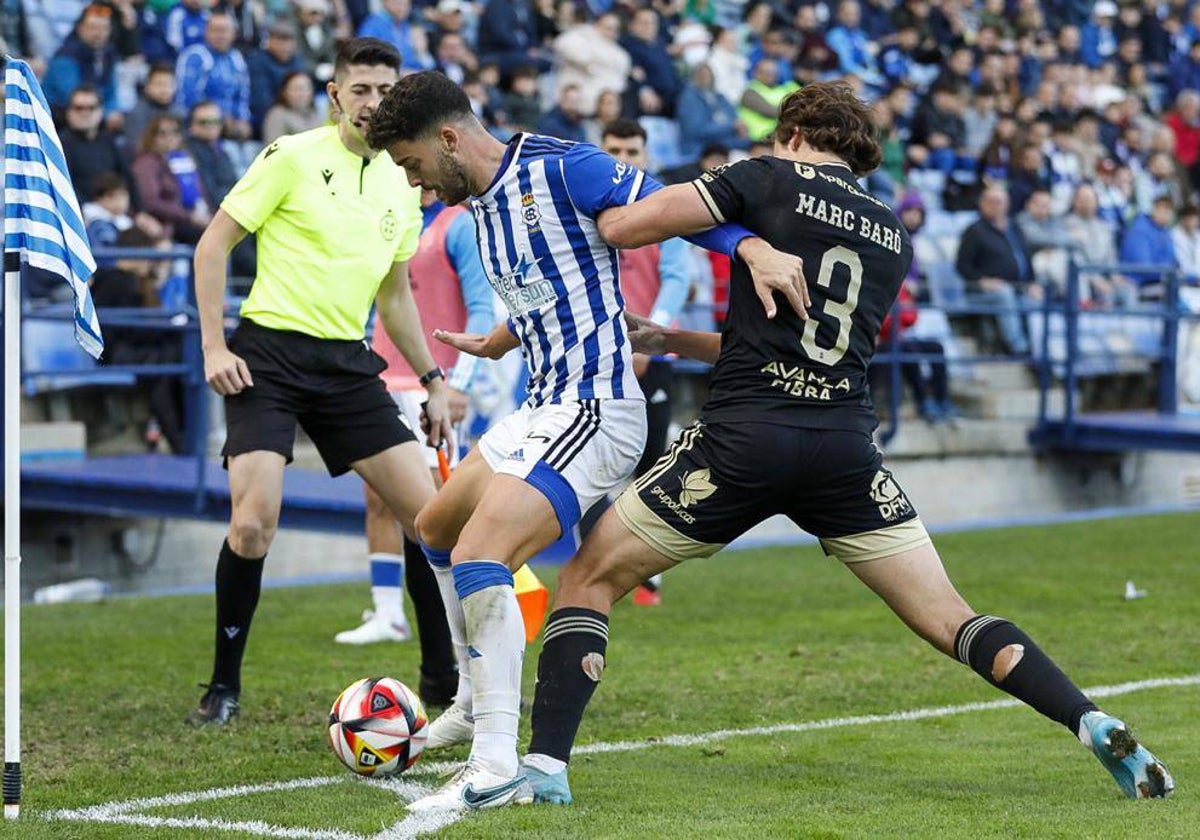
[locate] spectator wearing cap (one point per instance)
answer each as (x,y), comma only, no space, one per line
(216,72)
(652,71)
(707,117)
(269,65)
(294,110)
(157,98)
(183,26)
(86,57)
(89,148)
(393,26)
(591,59)
(315,38)
(1098,40)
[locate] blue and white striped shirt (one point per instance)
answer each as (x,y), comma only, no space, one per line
(543,254)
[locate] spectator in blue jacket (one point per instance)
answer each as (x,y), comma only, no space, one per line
(1185,71)
(508,37)
(1147,241)
(564,120)
(853,47)
(706,116)
(86,57)
(217,72)
(1098,41)
(183,26)
(393,26)
(269,66)
(657,86)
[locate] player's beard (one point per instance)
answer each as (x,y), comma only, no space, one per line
(453,187)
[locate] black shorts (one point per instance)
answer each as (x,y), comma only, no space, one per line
(331,388)
(719,480)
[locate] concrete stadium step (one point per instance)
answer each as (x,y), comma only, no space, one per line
(1003,375)
(917,439)
(980,401)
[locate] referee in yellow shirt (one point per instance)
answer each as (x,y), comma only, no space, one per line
(336,225)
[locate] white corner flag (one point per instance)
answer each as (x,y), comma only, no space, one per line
(43,233)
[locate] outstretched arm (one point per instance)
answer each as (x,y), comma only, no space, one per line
(491,346)
(647,337)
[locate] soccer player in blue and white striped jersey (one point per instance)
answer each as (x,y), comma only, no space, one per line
(539,206)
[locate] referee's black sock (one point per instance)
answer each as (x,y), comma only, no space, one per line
(569,668)
(437,653)
(239,582)
(1002,654)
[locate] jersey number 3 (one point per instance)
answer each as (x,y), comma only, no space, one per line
(840,311)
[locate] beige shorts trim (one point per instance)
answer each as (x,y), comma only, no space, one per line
(875,545)
(658,534)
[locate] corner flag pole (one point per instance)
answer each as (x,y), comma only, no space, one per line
(43,232)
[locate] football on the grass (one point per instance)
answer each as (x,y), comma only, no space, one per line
(378,727)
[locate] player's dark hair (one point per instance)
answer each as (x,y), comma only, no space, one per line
(831,118)
(623,129)
(416,106)
(365,52)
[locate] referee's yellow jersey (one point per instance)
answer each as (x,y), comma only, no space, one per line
(330,224)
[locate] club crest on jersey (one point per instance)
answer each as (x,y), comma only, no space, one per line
(388,226)
(530,212)
(805,171)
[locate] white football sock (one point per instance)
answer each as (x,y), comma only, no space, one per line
(387,586)
(547,764)
(496,634)
(458,634)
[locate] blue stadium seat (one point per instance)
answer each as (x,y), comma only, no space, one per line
(51,360)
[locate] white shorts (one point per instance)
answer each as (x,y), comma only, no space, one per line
(410,412)
(575,453)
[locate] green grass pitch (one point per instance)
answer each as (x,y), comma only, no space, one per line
(745,639)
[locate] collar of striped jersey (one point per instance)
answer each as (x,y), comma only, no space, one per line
(511,155)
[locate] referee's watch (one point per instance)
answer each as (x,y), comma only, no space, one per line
(436,373)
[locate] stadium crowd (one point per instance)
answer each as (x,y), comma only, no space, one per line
(1016,131)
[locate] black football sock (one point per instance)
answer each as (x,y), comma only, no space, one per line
(1034,680)
(569,669)
(437,654)
(239,582)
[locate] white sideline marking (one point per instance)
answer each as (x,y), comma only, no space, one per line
(127,812)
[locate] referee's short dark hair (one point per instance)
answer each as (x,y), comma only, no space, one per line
(623,129)
(365,52)
(416,106)
(831,118)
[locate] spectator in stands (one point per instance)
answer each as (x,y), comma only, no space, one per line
(1098,41)
(1159,179)
(759,107)
(522,102)
(705,116)
(89,147)
(394,26)
(711,156)
(157,98)
(1029,173)
(1114,194)
(850,43)
(203,142)
(107,215)
(993,260)
(508,36)
(1089,148)
(730,67)
(294,110)
(938,130)
(590,58)
(185,23)
(167,181)
(565,120)
(1185,71)
(1184,123)
(86,57)
(1048,240)
(214,71)
(652,70)
(1147,241)
(249,18)
(1186,239)
(269,66)
(454,58)
(133,283)
(317,41)
(608,109)
(998,156)
(1094,243)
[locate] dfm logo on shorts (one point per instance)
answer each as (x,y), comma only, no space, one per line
(886,493)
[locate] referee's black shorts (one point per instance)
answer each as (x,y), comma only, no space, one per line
(717,481)
(331,388)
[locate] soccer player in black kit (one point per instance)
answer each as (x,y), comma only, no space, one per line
(787,430)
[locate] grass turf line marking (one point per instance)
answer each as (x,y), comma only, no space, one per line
(414,825)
